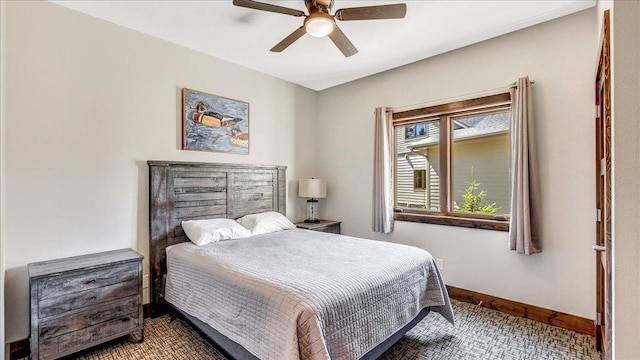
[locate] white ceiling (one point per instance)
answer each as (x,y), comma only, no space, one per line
(244,36)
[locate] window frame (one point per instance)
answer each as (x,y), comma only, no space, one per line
(445,113)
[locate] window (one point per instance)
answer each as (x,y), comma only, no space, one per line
(452,163)
(419,179)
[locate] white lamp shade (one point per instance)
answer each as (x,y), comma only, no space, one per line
(319,26)
(312,188)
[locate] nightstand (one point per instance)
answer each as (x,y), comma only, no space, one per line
(328,226)
(82,301)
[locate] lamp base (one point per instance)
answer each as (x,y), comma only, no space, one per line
(312,211)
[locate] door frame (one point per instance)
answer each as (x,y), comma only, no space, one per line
(603,241)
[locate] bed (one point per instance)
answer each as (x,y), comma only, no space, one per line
(293,294)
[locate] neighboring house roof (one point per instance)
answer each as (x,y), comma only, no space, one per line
(469,128)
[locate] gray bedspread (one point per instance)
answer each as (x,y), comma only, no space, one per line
(300,294)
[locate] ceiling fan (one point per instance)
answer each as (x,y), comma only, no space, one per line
(321,23)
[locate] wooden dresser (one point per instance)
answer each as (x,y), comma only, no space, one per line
(82,301)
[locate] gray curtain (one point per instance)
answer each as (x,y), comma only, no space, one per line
(524,230)
(383,172)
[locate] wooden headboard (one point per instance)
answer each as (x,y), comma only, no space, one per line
(185,191)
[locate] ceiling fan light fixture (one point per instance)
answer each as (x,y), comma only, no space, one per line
(319,26)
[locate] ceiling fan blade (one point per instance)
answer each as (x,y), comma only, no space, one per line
(394,11)
(289,40)
(342,42)
(268,7)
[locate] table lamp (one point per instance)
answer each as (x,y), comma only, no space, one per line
(313,189)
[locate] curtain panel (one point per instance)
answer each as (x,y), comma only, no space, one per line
(383,175)
(524,230)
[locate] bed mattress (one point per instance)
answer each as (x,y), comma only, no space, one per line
(300,294)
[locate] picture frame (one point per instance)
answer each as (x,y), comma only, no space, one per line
(214,123)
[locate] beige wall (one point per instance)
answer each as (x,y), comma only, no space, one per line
(3,7)
(626,177)
(559,56)
(88,104)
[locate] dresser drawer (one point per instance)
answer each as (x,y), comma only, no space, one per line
(82,301)
(78,340)
(55,287)
(62,325)
(73,301)
(333,228)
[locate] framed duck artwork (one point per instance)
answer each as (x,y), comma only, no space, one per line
(214,123)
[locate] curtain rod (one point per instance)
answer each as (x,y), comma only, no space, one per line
(457,98)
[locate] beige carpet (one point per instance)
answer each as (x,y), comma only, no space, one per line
(479,334)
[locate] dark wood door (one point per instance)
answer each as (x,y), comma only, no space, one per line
(603,195)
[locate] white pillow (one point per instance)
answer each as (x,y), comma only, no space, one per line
(266,222)
(202,232)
